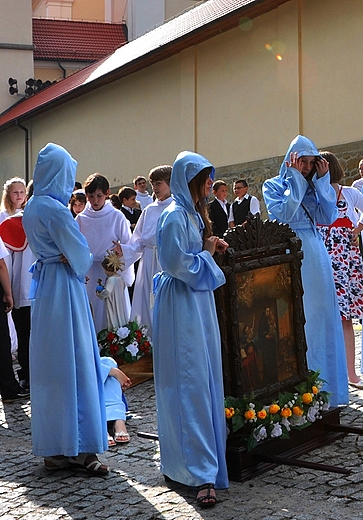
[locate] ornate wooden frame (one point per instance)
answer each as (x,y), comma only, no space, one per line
(261,251)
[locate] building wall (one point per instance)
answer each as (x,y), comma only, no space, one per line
(17,62)
(229,98)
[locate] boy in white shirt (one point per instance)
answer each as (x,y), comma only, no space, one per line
(142,196)
(102,224)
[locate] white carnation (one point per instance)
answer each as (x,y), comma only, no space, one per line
(260,433)
(133,349)
(123,332)
(276,431)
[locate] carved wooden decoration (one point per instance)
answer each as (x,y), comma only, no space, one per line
(260,309)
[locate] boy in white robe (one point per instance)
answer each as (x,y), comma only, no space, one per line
(142,245)
(102,224)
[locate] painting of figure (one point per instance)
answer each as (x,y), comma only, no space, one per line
(266,333)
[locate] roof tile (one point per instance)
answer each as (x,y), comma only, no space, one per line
(76,41)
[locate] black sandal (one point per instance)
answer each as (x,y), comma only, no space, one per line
(207,499)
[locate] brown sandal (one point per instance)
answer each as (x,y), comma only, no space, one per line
(89,462)
(206,499)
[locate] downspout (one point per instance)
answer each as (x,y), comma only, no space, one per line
(300,67)
(26,150)
(63,69)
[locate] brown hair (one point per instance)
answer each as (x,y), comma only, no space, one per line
(125,193)
(139,178)
(115,201)
(96,181)
(335,168)
(196,186)
(81,197)
(218,184)
(160,173)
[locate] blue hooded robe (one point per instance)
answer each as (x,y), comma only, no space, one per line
(186,339)
(68,411)
(286,196)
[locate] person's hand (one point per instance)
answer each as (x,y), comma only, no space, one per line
(294,162)
(213,244)
(117,248)
(210,244)
(124,380)
(222,245)
(63,259)
(354,239)
(8,300)
(322,166)
(127,383)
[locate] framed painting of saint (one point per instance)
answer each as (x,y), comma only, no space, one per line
(260,310)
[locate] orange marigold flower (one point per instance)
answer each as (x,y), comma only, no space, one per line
(262,414)
(315,390)
(229,412)
(297,410)
(274,408)
(286,412)
(250,414)
(307,398)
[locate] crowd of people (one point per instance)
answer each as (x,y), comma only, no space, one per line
(77,259)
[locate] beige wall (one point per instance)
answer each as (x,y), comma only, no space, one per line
(16,29)
(74,9)
(228,98)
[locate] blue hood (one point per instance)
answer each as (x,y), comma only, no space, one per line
(303,146)
(55,173)
(186,166)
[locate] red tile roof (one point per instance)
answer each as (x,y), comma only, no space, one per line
(202,22)
(69,40)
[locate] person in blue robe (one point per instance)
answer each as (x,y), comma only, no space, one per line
(187,348)
(68,416)
(302,196)
(115,381)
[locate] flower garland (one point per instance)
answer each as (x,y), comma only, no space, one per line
(292,410)
(129,342)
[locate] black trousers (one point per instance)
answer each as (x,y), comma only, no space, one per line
(21,319)
(9,386)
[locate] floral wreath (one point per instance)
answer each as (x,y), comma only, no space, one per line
(255,421)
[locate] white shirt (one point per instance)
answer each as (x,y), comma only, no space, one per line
(144,199)
(223,203)
(254,206)
(358,184)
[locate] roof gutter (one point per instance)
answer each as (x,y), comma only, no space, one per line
(26,149)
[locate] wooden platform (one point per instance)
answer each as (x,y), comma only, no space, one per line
(140,371)
(243,465)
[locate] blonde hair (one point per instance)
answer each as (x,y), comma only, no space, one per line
(6,204)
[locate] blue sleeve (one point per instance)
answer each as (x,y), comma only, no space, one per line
(327,211)
(181,255)
(70,241)
(283,196)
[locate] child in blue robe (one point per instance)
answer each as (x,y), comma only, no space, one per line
(187,348)
(68,410)
(302,196)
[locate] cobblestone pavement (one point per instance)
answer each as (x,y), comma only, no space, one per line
(136,490)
